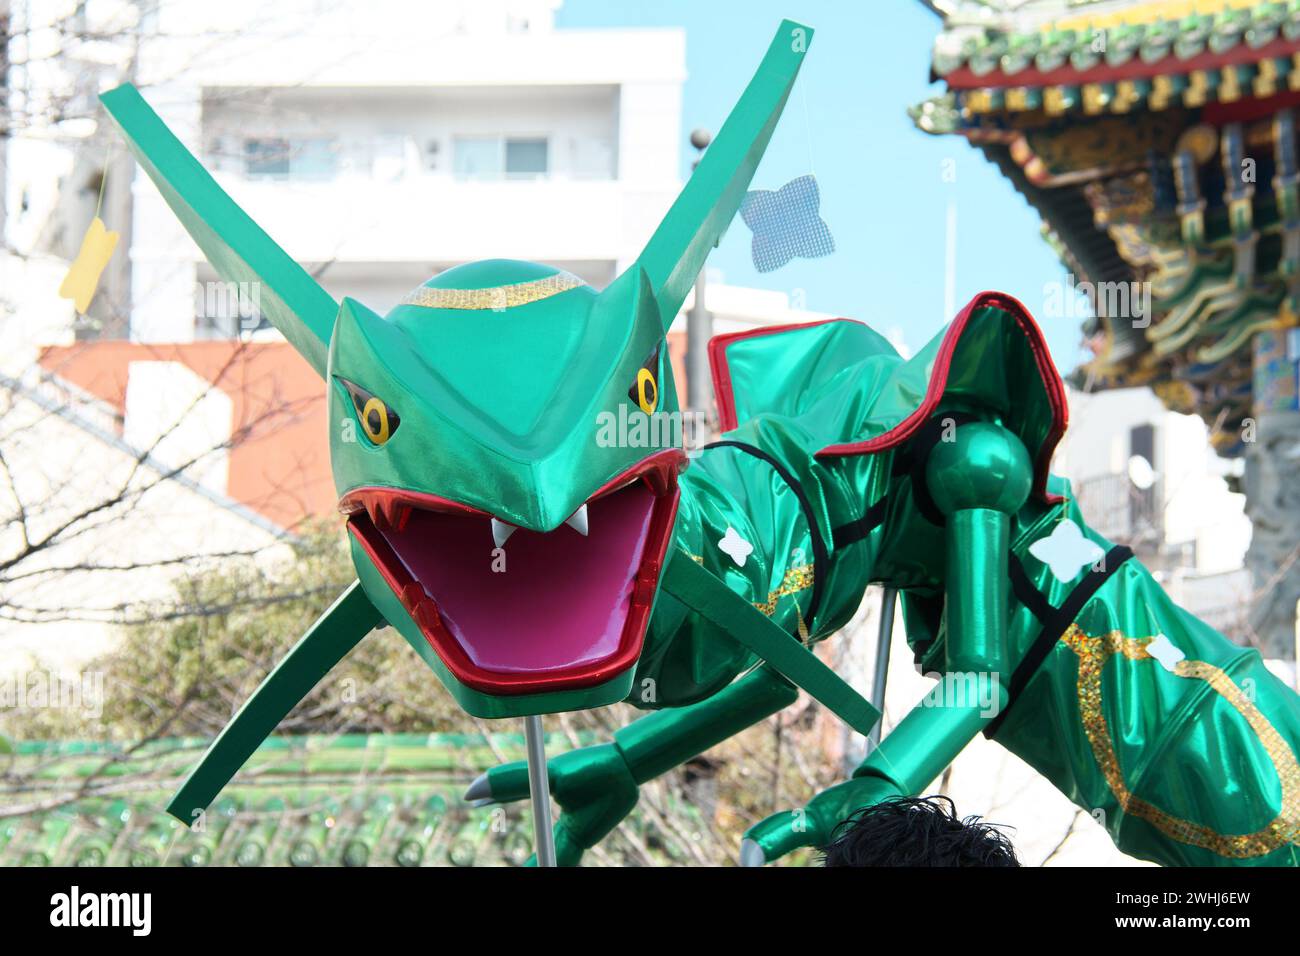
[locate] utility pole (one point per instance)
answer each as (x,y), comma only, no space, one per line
(699,322)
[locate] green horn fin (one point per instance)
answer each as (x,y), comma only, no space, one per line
(235,245)
(328,641)
(710,199)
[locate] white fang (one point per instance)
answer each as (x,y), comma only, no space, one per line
(579,521)
(501,532)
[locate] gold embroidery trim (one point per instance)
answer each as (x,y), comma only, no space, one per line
(1093,653)
(499,297)
(795,580)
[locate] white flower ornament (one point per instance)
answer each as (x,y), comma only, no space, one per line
(1066,551)
(1164,651)
(735,547)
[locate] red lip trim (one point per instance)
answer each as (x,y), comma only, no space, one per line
(934,389)
(390,507)
(659,471)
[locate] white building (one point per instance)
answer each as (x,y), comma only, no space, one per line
(381,143)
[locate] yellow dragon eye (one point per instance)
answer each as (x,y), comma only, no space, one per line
(374,419)
(378,420)
(645,390)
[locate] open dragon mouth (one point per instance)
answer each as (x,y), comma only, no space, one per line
(551,610)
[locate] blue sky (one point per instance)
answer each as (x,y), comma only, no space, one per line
(883,193)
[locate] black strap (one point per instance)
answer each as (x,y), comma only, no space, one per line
(851,532)
(1055,623)
(1025,592)
(820,562)
(912,461)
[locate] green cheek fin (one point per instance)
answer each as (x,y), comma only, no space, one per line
(335,633)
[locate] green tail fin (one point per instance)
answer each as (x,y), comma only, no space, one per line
(709,201)
(235,245)
(336,632)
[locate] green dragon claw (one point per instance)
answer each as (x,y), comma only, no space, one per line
(813,825)
(593,787)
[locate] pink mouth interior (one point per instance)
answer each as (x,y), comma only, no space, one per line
(562,599)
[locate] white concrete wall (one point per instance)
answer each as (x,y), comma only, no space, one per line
(181,418)
(737,308)
(64,619)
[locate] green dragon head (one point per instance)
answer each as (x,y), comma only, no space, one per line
(497,521)
(493,520)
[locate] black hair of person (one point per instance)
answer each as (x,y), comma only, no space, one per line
(917,831)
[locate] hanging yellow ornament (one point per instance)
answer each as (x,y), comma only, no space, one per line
(82,279)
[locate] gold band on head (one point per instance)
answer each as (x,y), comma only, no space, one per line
(497,297)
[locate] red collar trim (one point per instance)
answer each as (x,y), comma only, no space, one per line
(721,372)
(1051,379)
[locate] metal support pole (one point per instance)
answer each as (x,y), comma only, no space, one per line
(699,329)
(888,598)
(699,321)
(539,787)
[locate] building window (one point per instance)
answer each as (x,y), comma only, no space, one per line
(1142,441)
(266,157)
(526,158)
(501,157)
(276,157)
(1144,503)
(313,159)
(478,158)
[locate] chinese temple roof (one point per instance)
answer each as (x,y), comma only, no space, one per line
(1157,142)
(312,800)
(1046,42)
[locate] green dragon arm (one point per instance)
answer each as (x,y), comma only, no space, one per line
(978,480)
(913,754)
(660,741)
(596,787)
(1121,699)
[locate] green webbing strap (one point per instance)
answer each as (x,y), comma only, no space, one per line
(336,632)
(705,594)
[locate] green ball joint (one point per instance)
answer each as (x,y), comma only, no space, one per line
(983,466)
(979,480)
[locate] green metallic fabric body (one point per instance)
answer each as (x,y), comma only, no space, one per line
(1190,766)
(729,486)
(1194,765)
(805,388)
